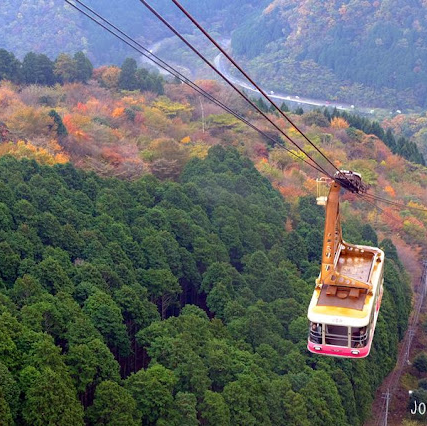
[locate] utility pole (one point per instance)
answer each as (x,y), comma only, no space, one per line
(408,346)
(203,114)
(387,401)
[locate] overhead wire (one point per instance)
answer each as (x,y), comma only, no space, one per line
(162,64)
(245,74)
(393,203)
(366,200)
(230,83)
(268,98)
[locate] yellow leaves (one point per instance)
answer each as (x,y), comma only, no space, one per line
(154,119)
(23,149)
(268,170)
(173,109)
(118,112)
(54,146)
(422,215)
(372,216)
(29,121)
(415,228)
(133,100)
(297,155)
(339,123)
(110,77)
(225,121)
(61,158)
(8,96)
(199,151)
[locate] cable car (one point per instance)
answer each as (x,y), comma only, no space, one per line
(346,300)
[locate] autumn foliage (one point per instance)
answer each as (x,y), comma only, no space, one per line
(129,133)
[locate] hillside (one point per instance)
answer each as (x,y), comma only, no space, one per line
(173,303)
(369,53)
(362,52)
(52,27)
(105,128)
(174,289)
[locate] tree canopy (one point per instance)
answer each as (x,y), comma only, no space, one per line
(171,302)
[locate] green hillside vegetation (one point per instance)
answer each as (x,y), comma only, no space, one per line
(365,52)
(52,27)
(172,302)
(369,53)
(38,69)
(127,122)
(401,146)
(411,126)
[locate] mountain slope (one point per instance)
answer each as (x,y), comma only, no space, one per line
(100,276)
(381,45)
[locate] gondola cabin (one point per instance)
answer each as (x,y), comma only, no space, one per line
(345,304)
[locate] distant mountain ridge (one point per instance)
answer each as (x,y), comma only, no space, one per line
(52,26)
(368,52)
(381,45)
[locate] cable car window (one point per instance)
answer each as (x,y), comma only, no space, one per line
(316,332)
(336,335)
(359,337)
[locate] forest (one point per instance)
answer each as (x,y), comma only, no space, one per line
(125,121)
(365,52)
(172,303)
(158,257)
(52,27)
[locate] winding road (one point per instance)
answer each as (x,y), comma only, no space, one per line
(223,66)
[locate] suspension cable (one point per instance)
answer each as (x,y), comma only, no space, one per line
(366,200)
(213,41)
(201,56)
(393,203)
(168,68)
(162,64)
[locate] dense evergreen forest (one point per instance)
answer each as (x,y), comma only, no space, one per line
(177,303)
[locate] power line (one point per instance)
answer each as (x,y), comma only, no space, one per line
(262,92)
(213,41)
(394,203)
(162,64)
(201,56)
(366,200)
(168,68)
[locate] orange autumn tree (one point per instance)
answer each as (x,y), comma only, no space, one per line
(77,125)
(339,123)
